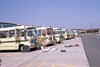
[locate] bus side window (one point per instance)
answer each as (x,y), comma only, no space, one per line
(54,32)
(49,31)
(22,34)
(11,33)
(29,33)
(38,32)
(43,32)
(3,34)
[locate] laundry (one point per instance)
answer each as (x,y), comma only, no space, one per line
(71,45)
(63,51)
(49,49)
(53,49)
(46,49)
(76,44)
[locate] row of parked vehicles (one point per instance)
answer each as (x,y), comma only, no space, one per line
(24,38)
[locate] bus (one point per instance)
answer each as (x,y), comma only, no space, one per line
(71,34)
(49,36)
(58,34)
(76,33)
(65,34)
(21,38)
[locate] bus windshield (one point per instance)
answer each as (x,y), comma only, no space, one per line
(49,31)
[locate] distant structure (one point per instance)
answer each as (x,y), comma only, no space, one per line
(7,24)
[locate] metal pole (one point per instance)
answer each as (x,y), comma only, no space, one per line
(91,28)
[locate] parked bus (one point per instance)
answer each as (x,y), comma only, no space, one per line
(47,34)
(21,38)
(65,33)
(76,33)
(58,34)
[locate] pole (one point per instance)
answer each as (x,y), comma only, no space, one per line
(91,28)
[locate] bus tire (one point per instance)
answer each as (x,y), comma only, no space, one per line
(55,40)
(20,47)
(38,46)
(54,43)
(25,48)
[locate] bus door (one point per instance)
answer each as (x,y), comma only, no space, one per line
(18,34)
(32,38)
(37,40)
(21,36)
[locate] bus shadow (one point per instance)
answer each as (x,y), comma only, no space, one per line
(11,51)
(7,51)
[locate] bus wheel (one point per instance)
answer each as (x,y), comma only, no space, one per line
(55,40)
(38,46)
(54,43)
(25,48)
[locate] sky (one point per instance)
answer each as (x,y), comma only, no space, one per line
(54,13)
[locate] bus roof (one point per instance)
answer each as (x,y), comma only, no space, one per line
(16,27)
(40,28)
(56,28)
(7,23)
(64,29)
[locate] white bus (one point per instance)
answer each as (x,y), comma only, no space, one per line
(71,34)
(58,34)
(76,33)
(21,38)
(65,33)
(49,36)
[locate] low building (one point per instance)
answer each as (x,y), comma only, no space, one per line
(7,24)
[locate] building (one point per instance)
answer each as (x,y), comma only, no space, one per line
(7,24)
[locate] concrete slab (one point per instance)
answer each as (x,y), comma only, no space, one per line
(73,57)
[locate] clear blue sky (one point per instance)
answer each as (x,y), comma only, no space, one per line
(55,13)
